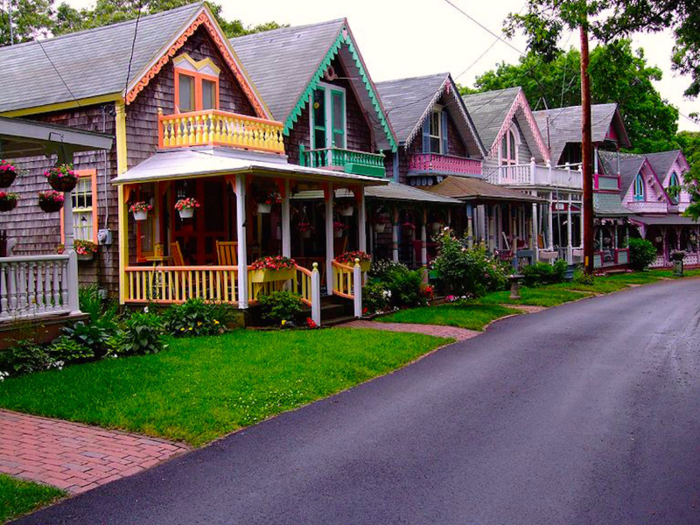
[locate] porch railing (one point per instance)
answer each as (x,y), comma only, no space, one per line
(350,161)
(447,164)
(647,206)
(535,175)
(177,284)
(308,285)
(347,283)
(219,128)
(36,286)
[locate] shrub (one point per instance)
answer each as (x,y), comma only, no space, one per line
(95,335)
(195,317)
(92,303)
(381,268)
(69,350)
(466,273)
(405,287)
(25,357)
(375,297)
(281,305)
(642,254)
(581,277)
(142,333)
(539,274)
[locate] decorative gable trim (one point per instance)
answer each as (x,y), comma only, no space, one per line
(204,18)
(343,38)
(658,186)
(520,102)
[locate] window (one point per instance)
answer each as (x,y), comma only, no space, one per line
(84,200)
(508,151)
(435,132)
(639,187)
(328,117)
(674,188)
(196,84)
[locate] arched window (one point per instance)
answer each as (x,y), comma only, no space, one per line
(509,148)
(674,188)
(639,187)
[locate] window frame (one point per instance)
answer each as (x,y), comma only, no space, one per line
(83,174)
(329,90)
(638,184)
(198,77)
(512,142)
(435,113)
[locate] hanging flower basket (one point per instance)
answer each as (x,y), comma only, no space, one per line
(186,207)
(436,227)
(51,201)
(345,209)
(348,258)
(140,210)
(339,229)
(271,269)
(266,200)
(8,201)
(8,173)
(61,178)
(264,208)
(380,227)
(305,228)
(85,250)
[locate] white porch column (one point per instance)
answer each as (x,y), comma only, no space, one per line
(286,226)
(395,235)
(242,240)
(69,234)
(424,241)
(569,231)
(535,232)
(470,225)
(550,225)
(330,278)
(581,225)
(361,221)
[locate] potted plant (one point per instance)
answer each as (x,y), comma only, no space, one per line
(61,178)
(85,249)
(140,210)
(51,201)
(345,209)
(8,201)
(8,172)
(677,257)
(305,228)
(349,259)
(272,268)
(408,227)
(380,223)
(186,207)
(338,229)
(266,200)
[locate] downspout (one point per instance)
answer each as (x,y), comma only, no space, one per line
(395,166)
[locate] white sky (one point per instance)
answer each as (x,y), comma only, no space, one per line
(404,38)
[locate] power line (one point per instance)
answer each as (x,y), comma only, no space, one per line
(133,47)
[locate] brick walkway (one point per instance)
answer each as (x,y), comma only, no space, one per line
(72,456)
(459,334)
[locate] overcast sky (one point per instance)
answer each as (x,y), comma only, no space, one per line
(403,38)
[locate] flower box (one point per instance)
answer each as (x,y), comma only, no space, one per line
(62,178)
(348,259)
(268,275)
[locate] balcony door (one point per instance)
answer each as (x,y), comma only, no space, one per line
(328,117)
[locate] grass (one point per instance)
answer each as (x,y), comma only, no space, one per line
(18,497)
(471,316)
(545,296)
(203,388)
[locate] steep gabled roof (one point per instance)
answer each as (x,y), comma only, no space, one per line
(561,126)
(662,161)
(630,166)
(408,100)
(492,111)
(94,63)
(287,64)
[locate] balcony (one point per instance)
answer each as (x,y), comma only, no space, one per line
(349,161)
(647,207)
(430,163)
(534,175)
(219,128)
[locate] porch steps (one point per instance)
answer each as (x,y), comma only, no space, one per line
(334,310)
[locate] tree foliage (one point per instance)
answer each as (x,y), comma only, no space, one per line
(41,18)
(690,143)
(618,74)
(609,20)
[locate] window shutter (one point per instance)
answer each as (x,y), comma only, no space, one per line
(444,118)
(426,134)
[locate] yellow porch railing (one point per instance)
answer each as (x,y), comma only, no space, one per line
(303,285)
(219,128)
(177,284)
(343,280)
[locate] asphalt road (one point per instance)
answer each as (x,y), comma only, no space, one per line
(584,414)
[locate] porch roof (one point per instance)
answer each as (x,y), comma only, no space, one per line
(665,220)
(608,205)
(213,161)
(393,191)
(471,189)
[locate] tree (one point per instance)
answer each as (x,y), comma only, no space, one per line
(31,18)
(609,20)
(618,74)
(690,143)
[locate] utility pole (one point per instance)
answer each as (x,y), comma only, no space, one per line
(9,21)
(587,152)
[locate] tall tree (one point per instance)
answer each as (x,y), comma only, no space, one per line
(690,144)
(30,18)
(618,74)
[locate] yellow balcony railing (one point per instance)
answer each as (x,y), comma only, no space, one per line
(219,128)
(177,284)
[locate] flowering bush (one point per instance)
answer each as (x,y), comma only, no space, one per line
(83,247)
(310,323)
(140,206)
(51,196)
(61,178)
(428,292)
(305,227)
(195,317)
(375,297)
(339,226)
(349,257)
(278,262)
(187,204)
(381,268)
(281,306)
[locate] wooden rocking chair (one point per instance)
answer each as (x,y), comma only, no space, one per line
(227,253)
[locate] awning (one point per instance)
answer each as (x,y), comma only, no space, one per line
(26,138)
(186,163)
(471,189)
(609,205)
(664,220)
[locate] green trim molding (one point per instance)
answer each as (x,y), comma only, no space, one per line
(343,38)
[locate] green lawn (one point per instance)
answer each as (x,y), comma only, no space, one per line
(472,316)
(18,497)
(544,296)
(202,388)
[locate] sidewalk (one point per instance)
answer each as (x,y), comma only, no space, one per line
(72,456)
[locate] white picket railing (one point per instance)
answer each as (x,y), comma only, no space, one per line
(532,174)
(36,286)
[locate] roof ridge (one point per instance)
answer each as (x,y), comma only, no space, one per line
(103,28)
(283,29)
(421,77)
